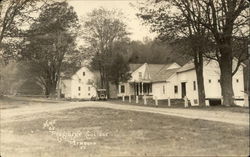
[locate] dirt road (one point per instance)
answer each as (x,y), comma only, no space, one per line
(219,116)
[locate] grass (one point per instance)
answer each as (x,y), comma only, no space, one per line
(121,133)
(16,102)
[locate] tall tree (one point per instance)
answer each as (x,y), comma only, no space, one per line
(51,38)
(175,27)
(15,16)
(101,29)
(222,18)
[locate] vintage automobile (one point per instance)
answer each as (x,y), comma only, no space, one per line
(101,94)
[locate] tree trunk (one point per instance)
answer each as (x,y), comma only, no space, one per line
(226,76)
(107,86)
(198,62)
(53,91)
(58,88)
(47,92)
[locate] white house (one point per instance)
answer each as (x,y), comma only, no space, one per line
(163,81)
(148,79)
(80,85)
(187,82)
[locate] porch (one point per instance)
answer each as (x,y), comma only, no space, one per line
(141,88)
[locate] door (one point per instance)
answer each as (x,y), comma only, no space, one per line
(183,89)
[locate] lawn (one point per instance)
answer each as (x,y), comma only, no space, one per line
(107,132)
(16,102)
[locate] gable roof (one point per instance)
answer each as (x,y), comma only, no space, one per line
(157,72)
(187,67)
(164,74)
(155,69)
(67,75)
(134,67)
(190,65)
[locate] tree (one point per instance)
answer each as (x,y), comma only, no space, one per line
(119,70)
(50,40)
(15,14)
(155,52)
(11,77)
(102,28)
(175,27)
(223,19)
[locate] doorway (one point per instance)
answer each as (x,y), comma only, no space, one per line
(183,89)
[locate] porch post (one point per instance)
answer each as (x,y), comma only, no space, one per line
(134,89)
(148,89)
(142,88)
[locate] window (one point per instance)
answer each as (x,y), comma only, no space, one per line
(140,74)
(122,89)
(175,89)
(209,81)
(237,80)
(88,88)
(163,89)
(89,94)
(79,94)
(194,85)
(219,80)
(83,73)
(79,88)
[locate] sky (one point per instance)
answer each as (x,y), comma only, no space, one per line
(135,27)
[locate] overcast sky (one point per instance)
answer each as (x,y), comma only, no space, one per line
(138,31)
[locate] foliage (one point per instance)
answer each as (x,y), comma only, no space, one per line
(156,52)
(102,30)
(11,77)
(219,20)
(182,34)
(15,17)
(50,43)
(119,70)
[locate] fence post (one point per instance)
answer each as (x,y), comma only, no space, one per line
(246,104)
(136,99)
(186,101)
(156,102)
(145,100)
(169,102)
(221,100)
(129,98)
(123,98)
(207,103)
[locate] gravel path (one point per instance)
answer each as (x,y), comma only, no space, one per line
(219,116)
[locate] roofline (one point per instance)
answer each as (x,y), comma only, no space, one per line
(186,70)
(159,81)
(137,67)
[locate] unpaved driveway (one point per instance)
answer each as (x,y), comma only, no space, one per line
(219,116)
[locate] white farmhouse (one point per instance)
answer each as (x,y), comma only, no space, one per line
(80,85)
(187,82)
(175,82)
(148,79)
